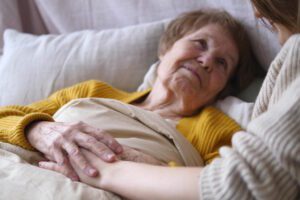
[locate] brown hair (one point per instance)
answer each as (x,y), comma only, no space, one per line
(284,12)
(187,23)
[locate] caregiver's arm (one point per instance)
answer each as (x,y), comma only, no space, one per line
(142,181)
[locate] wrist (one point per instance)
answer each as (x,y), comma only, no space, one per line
(110,174)
(31,129)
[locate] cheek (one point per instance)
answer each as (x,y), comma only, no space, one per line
(218,82)
(182,52)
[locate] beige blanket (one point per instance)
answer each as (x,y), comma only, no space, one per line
(21,179)
(131,126)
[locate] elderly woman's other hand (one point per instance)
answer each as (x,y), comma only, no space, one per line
(60,142)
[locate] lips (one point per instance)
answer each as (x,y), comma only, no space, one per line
(193,71)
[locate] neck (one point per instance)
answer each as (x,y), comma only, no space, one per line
(164,102)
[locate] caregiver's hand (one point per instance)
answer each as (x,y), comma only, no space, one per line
(128,154)
(60,142)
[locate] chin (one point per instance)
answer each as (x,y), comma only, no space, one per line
(185,88)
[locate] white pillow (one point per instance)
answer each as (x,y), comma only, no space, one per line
(115,13)
(237,109)
(33,67)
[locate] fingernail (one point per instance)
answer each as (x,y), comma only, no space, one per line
(119,150)
(92,172)
(110,157)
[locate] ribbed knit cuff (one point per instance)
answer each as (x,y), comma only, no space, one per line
(19,137)
(210,180)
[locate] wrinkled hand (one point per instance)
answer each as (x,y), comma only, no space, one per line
(61,142)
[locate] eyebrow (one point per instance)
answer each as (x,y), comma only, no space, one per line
(208,35)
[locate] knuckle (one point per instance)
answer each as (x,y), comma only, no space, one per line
(82,163)
(104,137)
(69,129)
(99,130)
(90,140)
(59,138)
(74,152)
(111,141)
(103,150)
(80,123)
(56,143)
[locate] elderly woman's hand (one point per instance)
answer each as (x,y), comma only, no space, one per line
(60,142)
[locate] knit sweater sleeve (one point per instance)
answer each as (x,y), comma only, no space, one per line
(14,119)
(263,162)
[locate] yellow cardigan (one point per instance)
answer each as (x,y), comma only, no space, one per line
(207,131)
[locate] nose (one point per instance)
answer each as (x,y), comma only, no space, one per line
(206,61)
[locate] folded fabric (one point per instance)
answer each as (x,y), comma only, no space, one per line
(22,179)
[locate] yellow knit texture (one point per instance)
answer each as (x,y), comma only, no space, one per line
(208,131)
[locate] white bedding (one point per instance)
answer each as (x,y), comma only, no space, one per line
(20,178)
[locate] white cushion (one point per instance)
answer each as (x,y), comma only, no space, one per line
(103,14)
(33,67)
(237,109)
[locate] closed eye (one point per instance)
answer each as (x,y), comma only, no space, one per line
(201,43)
(222,62)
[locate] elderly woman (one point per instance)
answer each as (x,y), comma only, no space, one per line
(263,162)
(203,56)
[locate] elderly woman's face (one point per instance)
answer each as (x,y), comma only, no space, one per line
(198,66)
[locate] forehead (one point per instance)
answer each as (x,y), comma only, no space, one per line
(214,31)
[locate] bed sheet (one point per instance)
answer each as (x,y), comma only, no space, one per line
(20,178)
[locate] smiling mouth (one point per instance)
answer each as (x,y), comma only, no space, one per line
(193,72)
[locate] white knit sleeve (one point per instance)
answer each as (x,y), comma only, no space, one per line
(264,162)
